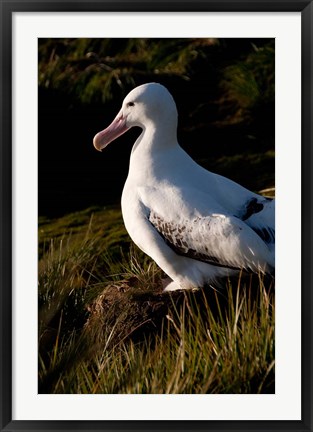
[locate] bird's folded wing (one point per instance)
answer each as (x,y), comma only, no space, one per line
(216,239)
(263,222)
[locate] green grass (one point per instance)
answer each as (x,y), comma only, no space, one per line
(106,327)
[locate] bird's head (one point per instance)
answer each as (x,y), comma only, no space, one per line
(147,105)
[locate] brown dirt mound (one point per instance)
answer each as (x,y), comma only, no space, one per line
(125,310)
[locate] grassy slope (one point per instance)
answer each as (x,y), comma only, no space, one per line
(106,327)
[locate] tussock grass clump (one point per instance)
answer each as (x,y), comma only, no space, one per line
(105,326)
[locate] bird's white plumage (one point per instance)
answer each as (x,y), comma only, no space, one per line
(196,225)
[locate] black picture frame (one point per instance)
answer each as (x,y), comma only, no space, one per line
(7,8)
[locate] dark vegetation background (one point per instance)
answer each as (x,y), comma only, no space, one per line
(224,90)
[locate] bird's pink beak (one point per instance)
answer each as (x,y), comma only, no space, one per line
(116,128)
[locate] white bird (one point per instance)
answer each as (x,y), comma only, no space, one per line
(196,225)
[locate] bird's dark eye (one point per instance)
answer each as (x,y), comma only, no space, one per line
(130,104)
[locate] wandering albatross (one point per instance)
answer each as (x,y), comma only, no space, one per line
(196,225)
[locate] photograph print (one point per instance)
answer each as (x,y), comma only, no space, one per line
(156,224)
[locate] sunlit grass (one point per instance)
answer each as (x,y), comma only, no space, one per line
(106,327)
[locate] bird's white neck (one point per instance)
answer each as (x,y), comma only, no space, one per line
(151,149)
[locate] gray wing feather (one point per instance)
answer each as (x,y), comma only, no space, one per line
(216,239)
